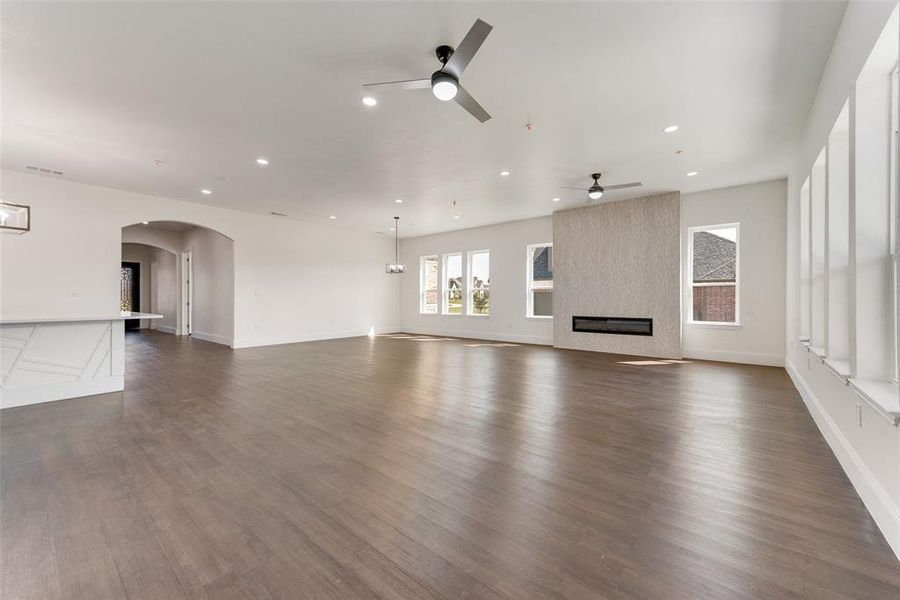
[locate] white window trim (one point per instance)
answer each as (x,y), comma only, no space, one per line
(894,217)
(468,306)
(737,278)
(445,288)
(529,273)
(422,289)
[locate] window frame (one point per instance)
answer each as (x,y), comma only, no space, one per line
(894,223)
(529,281)
(737,277)
(469,306)
(445,287)
(422,289)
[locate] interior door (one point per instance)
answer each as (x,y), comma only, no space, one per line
(130,292)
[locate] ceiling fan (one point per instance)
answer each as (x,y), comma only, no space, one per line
(444,82)
(595,192)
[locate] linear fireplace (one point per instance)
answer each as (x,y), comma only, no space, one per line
(616,325)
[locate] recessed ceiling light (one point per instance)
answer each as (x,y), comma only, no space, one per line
(671,129)
(145,222)
(369,101)
(398,201)
(207,192)
(262,161)
(556,199)
(504,173)
(455,216)
(332,217)
(691,173)
(392,228)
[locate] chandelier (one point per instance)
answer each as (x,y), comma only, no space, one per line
(395,268)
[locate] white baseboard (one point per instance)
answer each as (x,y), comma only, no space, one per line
(879,503)
(60,391)
(480,335)
(165,329)
(749,358)
(211,337)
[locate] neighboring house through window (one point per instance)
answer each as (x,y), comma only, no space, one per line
(479,283)
(714,274)
(428,285)
(539,286)
(453,285)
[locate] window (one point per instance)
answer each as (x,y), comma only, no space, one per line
(453,284)
(714,274)
(428,285)
(539,277)
(479,283)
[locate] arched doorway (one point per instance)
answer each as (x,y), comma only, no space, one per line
(186,274)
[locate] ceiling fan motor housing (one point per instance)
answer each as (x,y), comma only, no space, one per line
(444,53)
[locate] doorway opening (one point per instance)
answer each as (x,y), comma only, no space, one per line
(130,292)
(186,274)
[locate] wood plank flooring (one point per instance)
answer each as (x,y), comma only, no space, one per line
(410,467)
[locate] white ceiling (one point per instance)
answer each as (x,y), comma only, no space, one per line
(100,91)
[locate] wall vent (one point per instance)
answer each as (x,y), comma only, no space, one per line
(44,170)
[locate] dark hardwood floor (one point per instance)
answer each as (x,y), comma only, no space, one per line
(406,467)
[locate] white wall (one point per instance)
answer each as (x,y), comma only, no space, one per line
(164,283)
(212,256)
(142,255)
(866,443)
(293,281)
(507,321)
(760,208)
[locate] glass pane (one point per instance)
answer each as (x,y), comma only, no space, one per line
(430,279)
(125,300)
(481,302)
(454,283)
(715,255)
(542,302)
(481,269)
(542,268)
(714,303)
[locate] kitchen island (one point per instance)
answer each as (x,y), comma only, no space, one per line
(53,358)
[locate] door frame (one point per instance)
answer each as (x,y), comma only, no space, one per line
(187,293)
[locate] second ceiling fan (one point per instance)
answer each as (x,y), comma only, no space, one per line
(444,82)
(595,192)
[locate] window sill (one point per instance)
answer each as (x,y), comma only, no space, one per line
(839,368)
(883,396)
(713,325)
(539,318)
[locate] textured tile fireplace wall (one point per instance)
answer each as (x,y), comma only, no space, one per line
(619,259)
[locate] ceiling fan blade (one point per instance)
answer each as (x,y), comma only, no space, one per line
(406,84)
(468,102)
(564,187)
(467,48)
(621,186)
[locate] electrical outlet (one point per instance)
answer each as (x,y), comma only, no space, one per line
(859,414)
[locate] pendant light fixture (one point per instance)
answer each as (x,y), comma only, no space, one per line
(396,268)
